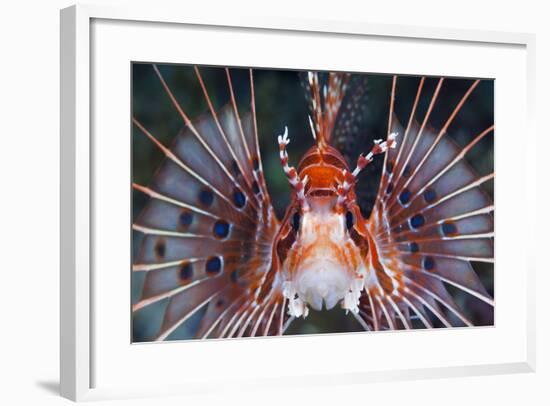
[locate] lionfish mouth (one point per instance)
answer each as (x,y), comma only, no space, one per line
(322,287)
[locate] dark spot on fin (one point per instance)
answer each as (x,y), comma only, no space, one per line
(185,218)
(186,271)
(448,228)
(206,197)
(238,198)
(213,265)
(405,197)
(430,196)
(428,263)
(160,248)
(417,221)
(221,229)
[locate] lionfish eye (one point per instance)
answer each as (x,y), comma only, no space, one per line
(296,222)
(349,220)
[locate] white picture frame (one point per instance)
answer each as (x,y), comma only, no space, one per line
(78,349)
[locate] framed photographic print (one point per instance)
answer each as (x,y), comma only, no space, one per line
(374,235)
(246,203)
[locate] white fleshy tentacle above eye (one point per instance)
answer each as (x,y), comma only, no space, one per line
(294,179)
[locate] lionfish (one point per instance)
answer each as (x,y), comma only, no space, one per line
(213,244)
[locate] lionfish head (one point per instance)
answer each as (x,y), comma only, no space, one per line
(323,267)
(321,249)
